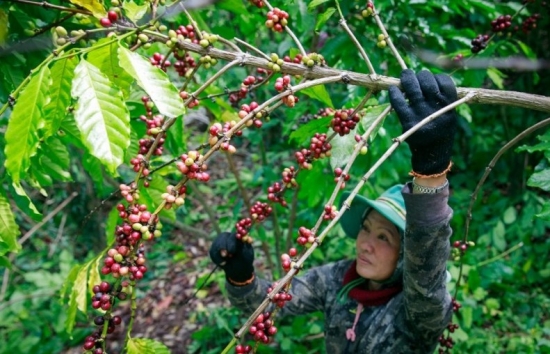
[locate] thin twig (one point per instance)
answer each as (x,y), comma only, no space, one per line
(346,28)
(53,246)
(499,256)
(251,47)
(200,197)
(388,40)
(229,44)
(47,5)
(29,233)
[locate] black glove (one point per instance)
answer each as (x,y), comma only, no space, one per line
(234,256)
(431,146)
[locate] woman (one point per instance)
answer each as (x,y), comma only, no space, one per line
(392,298)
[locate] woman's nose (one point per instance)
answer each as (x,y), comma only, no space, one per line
(366,243)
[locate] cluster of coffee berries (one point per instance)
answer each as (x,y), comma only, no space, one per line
(112,17)
(184,63)
(322,112)
(242,227)
(274,194)
(216,130)
(501,23)
(338,173)
(208,39)
(281,297)
(369,10)
(297,59)
(286,259)
(318,148)
(159,61)
(381,41)
(207,61)
(102,298)
(258,3)
(94,343)
(282,83)
(312,59)
(249,108)
(262,328)
(479,43)
(194,102)
(243,349)
(290,100)
(459,248)
(306,237)
(530,23)
(445,343)
(190,167)
(154,128)
(138,219)
(259,211)
(187,32)
(275,63)
(129,192)
(174,196)
(330,212)
(343,121)
(246,85)
(61,35)
(276,20)
(458,57)
(111,323)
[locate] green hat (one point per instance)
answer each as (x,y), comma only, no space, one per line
(390,204)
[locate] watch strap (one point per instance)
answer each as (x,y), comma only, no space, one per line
(418,189)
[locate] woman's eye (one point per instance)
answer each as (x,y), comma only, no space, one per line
(383,238)
(366,228)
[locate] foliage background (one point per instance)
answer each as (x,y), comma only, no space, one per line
(505,299)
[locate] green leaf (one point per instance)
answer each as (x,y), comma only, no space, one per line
(5,262)
(153,81)
(545,212)
(78,296)
(540,180)
(510,215)
(342,147)
(55,160)
(8,228)
(497,236)
(497,77)
(3,27)
(25,120)
(62,73)
(105,58)
(146,346)
(94,6)
(23,201)
(313,4)
(324,17)
(306,131)
(110,227)
(69,281)
(94,278)
(526,50)
(370,115)
(133,11)
(101,115)
(319,93)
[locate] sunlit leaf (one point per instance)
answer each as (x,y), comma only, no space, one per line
(133,11)
(94,6)
(342,148)
(314,3)
(324,17)
(23,202)
(540,180)
(62,73)
(8,228)
(146,346)
(94,278)
(25,120)
(105,58)
(101,115)
(153,81)
(78,297)
(3,26)
(319,93)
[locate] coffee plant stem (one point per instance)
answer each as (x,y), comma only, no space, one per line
(229,44)
(483,96)
(388,40)
(133,308)
(47,5)
(251,47)
(346,28)
(189,77)
(198,32)
(362,103)
(289,31)
(499,256)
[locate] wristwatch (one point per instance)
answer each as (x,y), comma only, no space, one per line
(417,189)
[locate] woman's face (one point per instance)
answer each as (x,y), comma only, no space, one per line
(378,245)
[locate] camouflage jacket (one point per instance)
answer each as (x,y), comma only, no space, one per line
(411,322)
